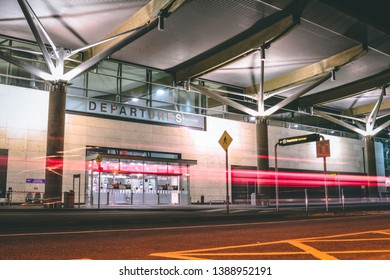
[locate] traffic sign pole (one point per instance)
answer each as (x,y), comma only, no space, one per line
(323,150)
(325,183)
(99,189)
(227,182)
(99,160)
(276,178)
(225,142)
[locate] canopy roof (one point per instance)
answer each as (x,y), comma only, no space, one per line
(345,41)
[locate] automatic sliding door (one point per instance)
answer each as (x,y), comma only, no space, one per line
(133,180)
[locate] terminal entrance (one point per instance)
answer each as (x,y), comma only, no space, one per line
(137,180)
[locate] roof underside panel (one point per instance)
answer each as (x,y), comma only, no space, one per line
(326,28)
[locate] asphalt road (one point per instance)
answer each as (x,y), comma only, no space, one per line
(201,234)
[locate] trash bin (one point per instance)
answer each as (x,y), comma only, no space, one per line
(202,199)
(69,199)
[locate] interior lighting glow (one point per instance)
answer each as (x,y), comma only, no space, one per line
(160,92)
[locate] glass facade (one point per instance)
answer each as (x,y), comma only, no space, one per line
(123,83)
(128,177)
(27,53)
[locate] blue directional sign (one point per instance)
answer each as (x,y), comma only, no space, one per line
(35,181)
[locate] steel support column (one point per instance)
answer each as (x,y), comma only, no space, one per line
(369,150)
(262,155)
(55,140)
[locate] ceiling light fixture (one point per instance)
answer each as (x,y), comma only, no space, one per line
(160,92)
(333,75)
(160,26)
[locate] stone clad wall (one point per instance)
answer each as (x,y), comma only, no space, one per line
(346,154)
(23,122)
(23,126)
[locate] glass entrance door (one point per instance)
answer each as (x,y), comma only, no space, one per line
(127,176)
(136,182)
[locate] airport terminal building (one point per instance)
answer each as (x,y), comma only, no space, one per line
(133,135)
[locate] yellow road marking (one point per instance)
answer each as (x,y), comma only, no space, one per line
(313,251)
(174,255)
(226,247)
(359,252)
(252,254)
(382,232)
(301,243)
(192,256)
(347,240)
(338,235)
(196,256)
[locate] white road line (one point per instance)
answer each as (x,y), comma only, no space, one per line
(224,210)
(266,211)
(213,210)
(238,211)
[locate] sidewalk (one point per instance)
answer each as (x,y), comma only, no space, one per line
(234,209)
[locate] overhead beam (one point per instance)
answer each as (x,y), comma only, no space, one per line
(312,71)
(30,17)
(339,122)
(372,117)
(346,90)
(90,63)
(365,109)
(43,30)
(295,96)
(380,128)
(26,66)
(246,42)
(225,100)
(109,47)
(142,17)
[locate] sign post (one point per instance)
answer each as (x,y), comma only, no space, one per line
(99,160)
(225,142)
(323,150)
(276,178)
